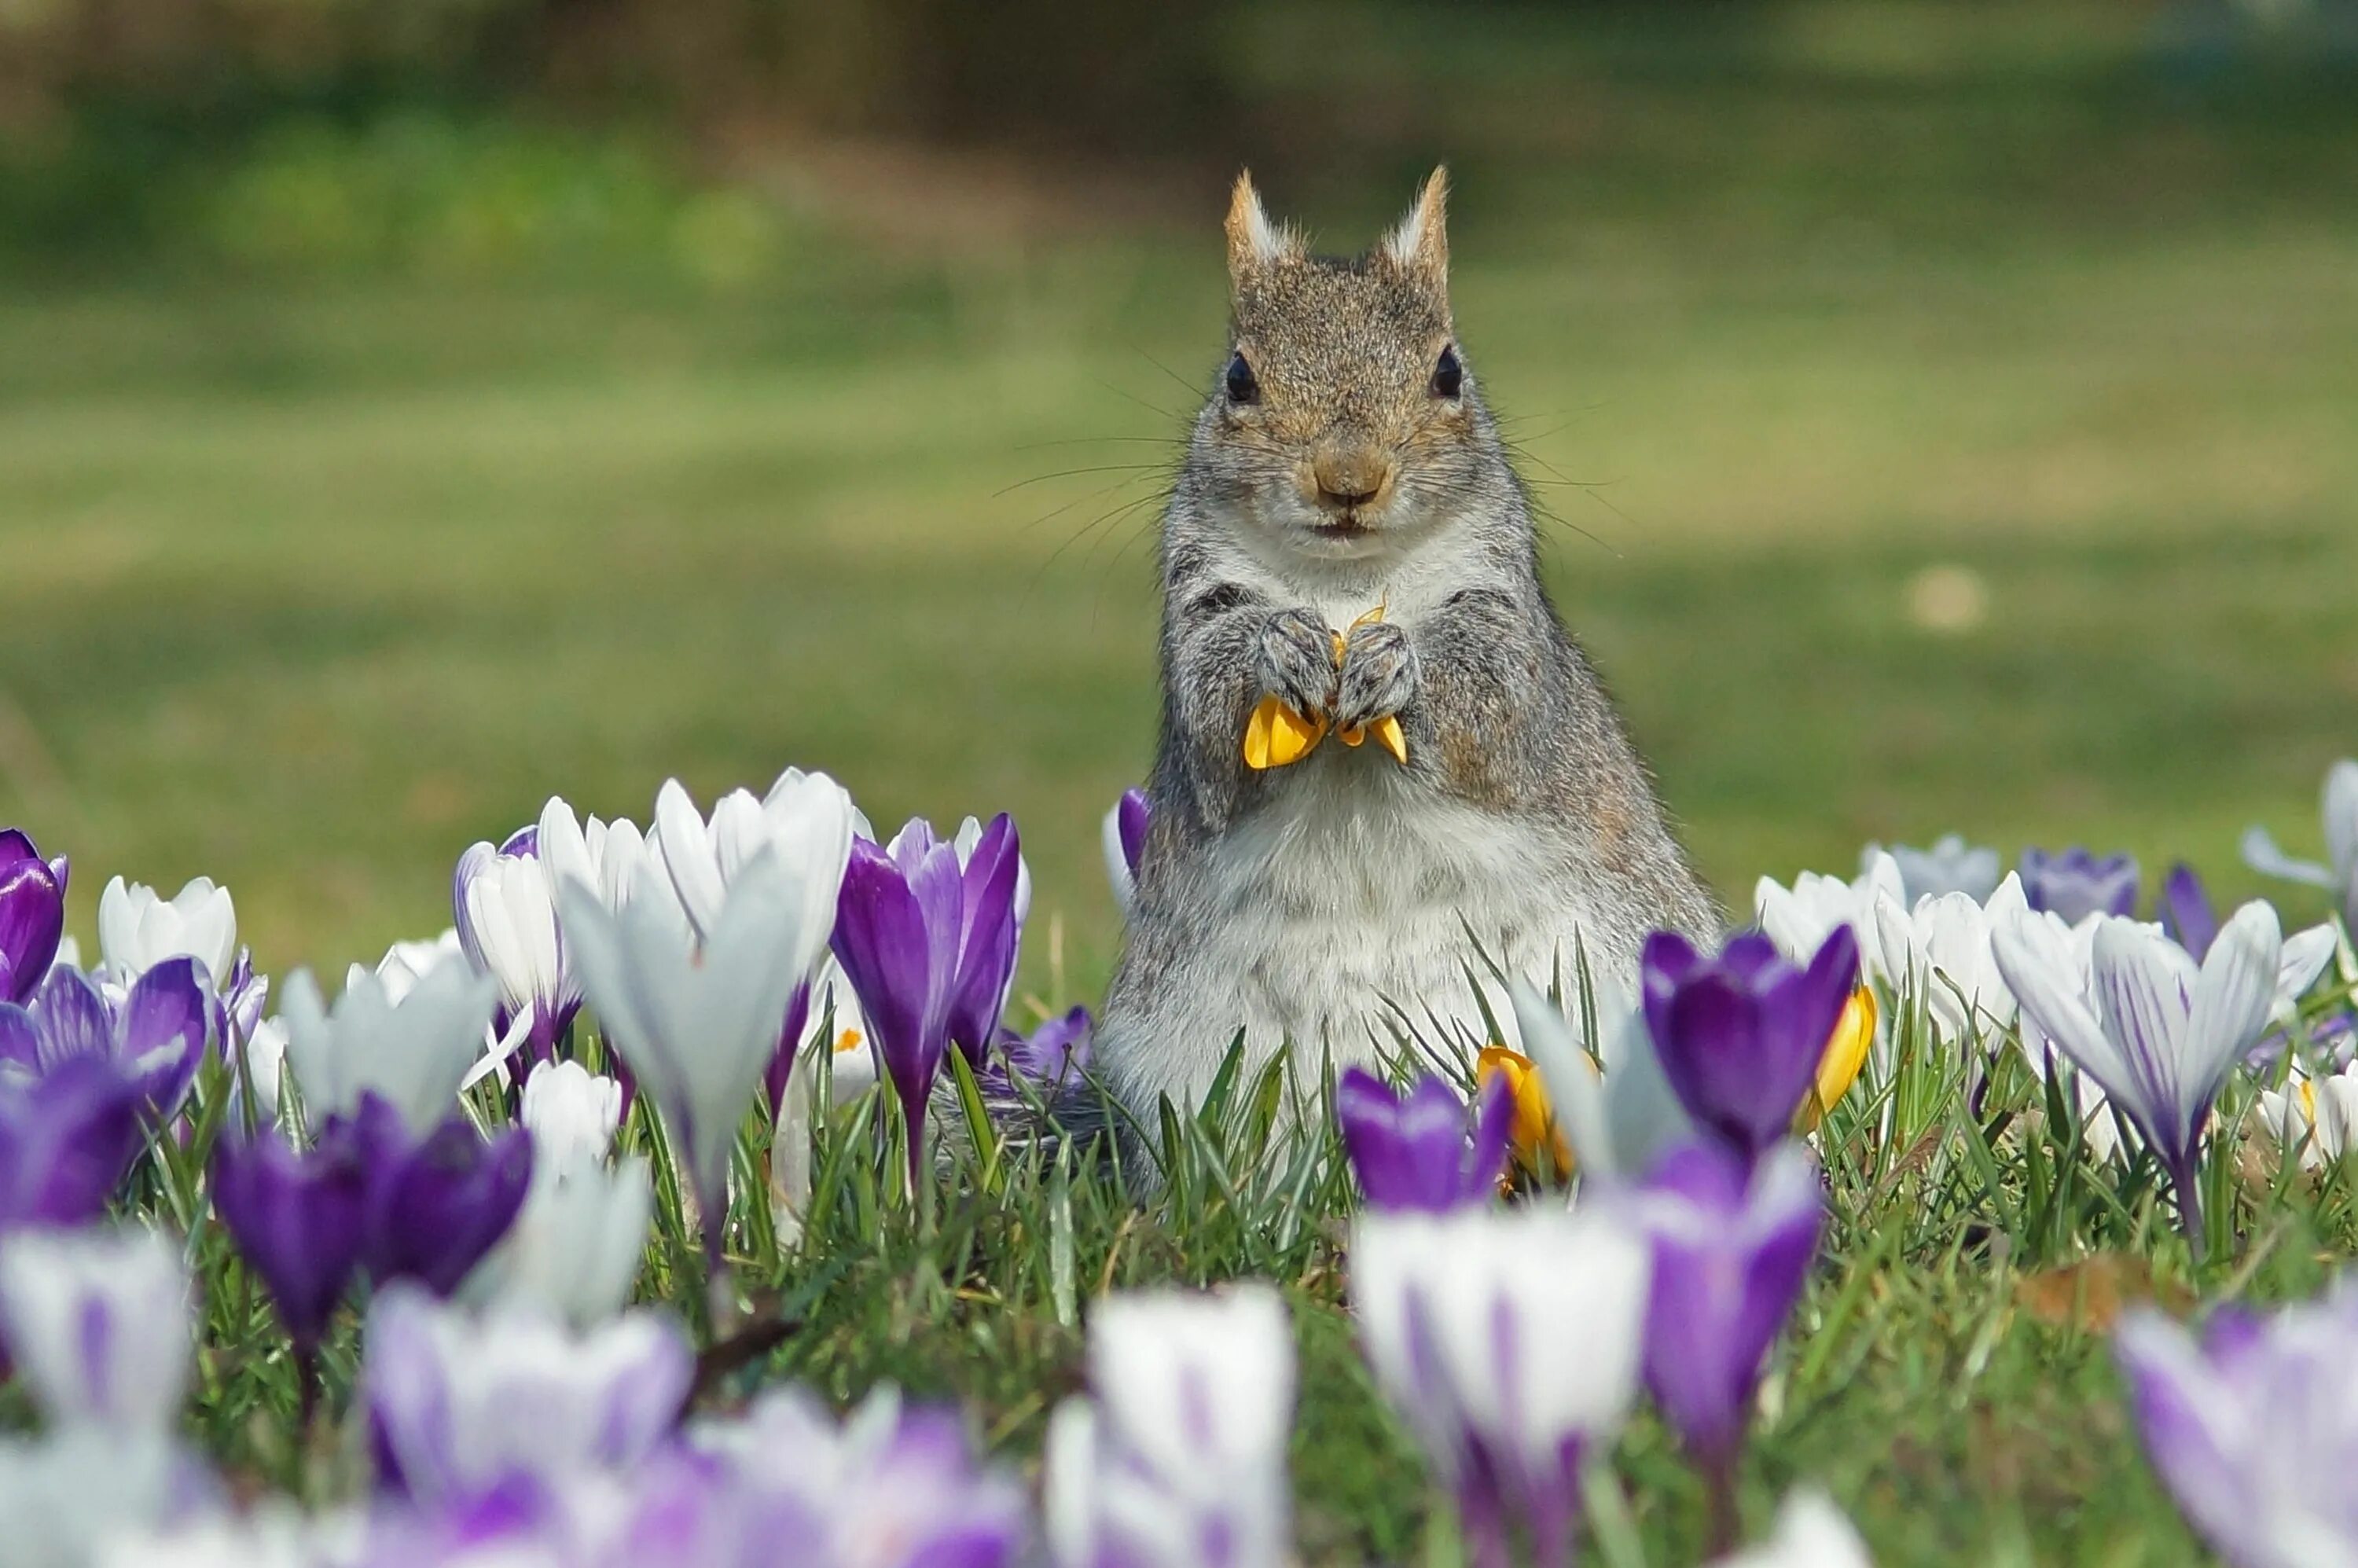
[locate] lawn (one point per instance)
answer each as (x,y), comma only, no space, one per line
(1945,420)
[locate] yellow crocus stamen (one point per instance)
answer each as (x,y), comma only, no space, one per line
(2308,1101)
(1532,1126)
(847,1040)
(1845,1053)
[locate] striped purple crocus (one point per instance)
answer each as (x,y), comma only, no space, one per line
(2158,1031)
(32,914)
(2249,1426)
(1417,1149)
(1740,1036)
(1508,1342)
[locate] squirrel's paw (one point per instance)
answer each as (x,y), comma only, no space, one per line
(1297,663)
(1379,675)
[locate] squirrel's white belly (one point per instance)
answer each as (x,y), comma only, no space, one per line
(1340,921)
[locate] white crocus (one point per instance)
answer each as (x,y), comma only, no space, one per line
(572,1113)
(75,1496)
(405,963)
(506,907)
(1508,1340)
(1940,953)
(1811,1532)
(139,928)
(577,1244)
(2339,876)
(604,857)
(1800,918)
(1616,1109)
(98,1324)
(1950,865)
(2317,1116)
(807,819)
(412,1051)
(1185,1441)
(2306,955)
(698,1024)
(2157,1033)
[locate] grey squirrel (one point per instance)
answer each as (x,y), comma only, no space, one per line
(1347,537)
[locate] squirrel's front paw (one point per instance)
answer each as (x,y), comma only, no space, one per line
(1379,675)
(1297,663)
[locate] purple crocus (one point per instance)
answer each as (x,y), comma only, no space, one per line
(1044,1062)
(156,1034)
(928,946)
(66,1139)
(1125,844)
(1740,1036)
(435,1206)
(2076,884)
(2249,1426)
(1732,1248)
(299,1220)
(2186,912)
(1414,1151)
(32,914)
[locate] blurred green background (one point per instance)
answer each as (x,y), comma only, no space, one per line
(1948,413)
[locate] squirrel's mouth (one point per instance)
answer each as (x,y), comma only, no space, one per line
(1349,525)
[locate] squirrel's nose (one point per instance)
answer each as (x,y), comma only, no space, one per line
(1350,477)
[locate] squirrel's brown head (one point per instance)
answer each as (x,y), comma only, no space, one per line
(1346,412)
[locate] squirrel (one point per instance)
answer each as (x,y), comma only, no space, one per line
(1346,463)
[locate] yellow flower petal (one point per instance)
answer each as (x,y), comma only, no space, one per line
(1276,736)
(1532,1126)
(1845,1053)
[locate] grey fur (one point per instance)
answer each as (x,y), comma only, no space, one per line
(1292,903)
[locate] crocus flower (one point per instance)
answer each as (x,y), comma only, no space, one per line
(506,902)
(572,1112)
(827,1001)
(156,1035)
(2339,875)
(139,928)
(2162,1033)
(406,963)
(412,1051)
(1049,1059)
(2315,1116)
(604,857)
(1741,1035)
(2075,883)
(1181,1459)
(1617,1110)
(576,1247)
(698,1023)
(2186,914)
(1939,953)
(1415,1150)
(459,1404)
(1731,1251)
(890,1485)
(1950,865)
(1811,1532)
(437,1205)
(66,1139)
(1800,919)
(32,914)
(1124,840)
(1846,1056)
(97,1324)
(1510,1341)
(1534,1137)
(299,1221)
(70,1496)
(807,820)
(2249,1427)
(929,947)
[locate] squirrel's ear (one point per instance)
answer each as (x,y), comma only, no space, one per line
(1419,245)
(1254,243)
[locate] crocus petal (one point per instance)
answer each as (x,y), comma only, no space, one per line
(32,919)
(2261,853)
(167,1020)
(2186,912)
(2233,1000)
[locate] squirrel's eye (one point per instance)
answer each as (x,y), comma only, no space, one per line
(1242,387)
(1448,376)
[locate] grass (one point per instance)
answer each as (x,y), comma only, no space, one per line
(313,577)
